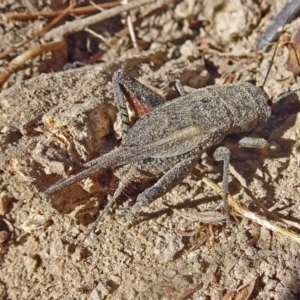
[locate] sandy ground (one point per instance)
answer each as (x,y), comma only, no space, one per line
(51,123)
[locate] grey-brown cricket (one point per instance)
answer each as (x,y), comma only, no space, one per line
(167,142)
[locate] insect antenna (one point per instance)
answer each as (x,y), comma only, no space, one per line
(271,63)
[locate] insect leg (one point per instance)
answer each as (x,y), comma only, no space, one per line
(140,98)
(223,153)
(121,104)
(178,86)
(164,184)
(112,201)
(127,174)
(252,142)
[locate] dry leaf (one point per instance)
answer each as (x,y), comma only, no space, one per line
(243,293)
(293,62)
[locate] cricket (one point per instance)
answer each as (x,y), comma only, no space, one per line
(168,139)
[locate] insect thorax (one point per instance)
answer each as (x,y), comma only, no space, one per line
(247,103)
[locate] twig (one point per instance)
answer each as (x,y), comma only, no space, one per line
(81,24)
(269,212)
(112,41)
(87,10)
(20,60)
(98,35)
(130,27)
(250,215)
(40,33)
(99,8)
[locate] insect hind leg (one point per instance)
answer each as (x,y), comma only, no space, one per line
(140,98)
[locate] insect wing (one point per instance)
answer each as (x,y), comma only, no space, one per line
(182,141)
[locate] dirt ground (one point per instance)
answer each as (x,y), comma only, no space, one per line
(51,123)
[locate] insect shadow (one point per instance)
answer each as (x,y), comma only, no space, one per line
(170,137)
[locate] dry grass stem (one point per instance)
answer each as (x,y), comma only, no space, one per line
(81,24)
(87,10)
(40,33)
(250,215)
(112,41)
(20,60)
(130,27)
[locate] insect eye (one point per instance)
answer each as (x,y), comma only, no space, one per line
(269,102)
